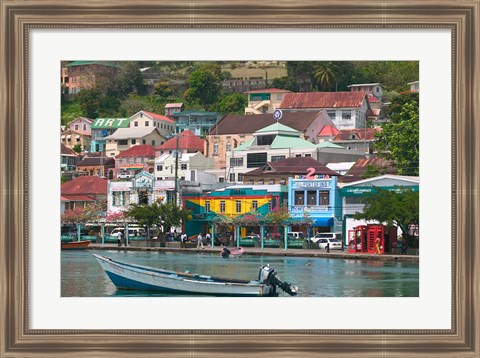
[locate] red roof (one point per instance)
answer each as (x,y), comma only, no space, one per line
(268,90)
(158,116)
(328,131)
(323,100)
(84,185)
(357,134)
(186,140)
(77,198)
(373,99)
(144,150)
(64,150)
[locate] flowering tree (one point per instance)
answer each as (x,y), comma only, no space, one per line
(278,216)
(91,212)
(117,216)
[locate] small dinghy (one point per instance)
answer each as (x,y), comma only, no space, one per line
(75,245)
(131,276)
(232,251)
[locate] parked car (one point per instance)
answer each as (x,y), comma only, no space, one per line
(124,175)
(324,235)
(335,244)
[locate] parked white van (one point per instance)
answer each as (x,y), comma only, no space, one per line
(132,231)
(295,235)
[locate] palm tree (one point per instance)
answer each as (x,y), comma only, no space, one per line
(325,75)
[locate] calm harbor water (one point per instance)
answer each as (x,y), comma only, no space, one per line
(82,276)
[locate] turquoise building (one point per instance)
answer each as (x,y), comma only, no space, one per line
(198,122)
(318,198)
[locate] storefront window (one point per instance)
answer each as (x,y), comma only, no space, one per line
(299,198)
(324,198)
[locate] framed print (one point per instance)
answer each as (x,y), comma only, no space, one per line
(442,321)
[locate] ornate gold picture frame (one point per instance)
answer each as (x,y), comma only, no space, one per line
(19,17)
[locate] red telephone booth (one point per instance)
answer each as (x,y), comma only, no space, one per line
(363,238)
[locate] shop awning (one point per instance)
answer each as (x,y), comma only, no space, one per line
(322,221)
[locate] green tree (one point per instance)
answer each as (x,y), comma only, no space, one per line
(157,214)
(399,139)
(205,85)
(234,103)
(130,79)
(77,148)
(287,83)
(326,75)
(396,208)
(163,89)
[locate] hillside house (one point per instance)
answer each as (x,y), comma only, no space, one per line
(144,119)
(125,138)
(264,100)
(348,110)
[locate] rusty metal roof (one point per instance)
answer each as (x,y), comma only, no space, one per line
(323,100)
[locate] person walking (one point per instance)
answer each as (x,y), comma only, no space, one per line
(207,239)
(183,239)
(200,241)
(119,238)
(377,246)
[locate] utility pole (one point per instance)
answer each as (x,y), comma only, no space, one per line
(176,170)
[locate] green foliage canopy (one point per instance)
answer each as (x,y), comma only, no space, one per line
(396,208)
(399,139)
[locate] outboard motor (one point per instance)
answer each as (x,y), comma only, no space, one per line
(225,252)
(268,276)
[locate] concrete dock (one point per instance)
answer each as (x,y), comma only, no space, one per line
(333,254)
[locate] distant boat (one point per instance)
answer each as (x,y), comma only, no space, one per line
(75,245)
(232,251)
(132,276)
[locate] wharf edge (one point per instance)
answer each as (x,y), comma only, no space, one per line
(315,253)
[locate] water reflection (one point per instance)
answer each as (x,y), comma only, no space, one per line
(81,275)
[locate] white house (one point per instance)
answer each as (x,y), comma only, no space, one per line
(348,110)
(164,125)
(187,163)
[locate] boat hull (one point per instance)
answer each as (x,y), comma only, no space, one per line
(130,276)
(75,245)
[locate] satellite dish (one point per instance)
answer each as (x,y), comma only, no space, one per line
(277,114)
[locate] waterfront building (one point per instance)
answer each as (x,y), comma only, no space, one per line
(353,195)
(232,202)
(316,197)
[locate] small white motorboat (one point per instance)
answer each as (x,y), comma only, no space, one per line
(131,276)
(232,251)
